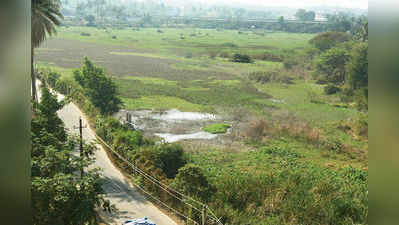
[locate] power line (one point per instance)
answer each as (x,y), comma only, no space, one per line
(163,186)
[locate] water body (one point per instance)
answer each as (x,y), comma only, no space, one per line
(170,138)
(173,125)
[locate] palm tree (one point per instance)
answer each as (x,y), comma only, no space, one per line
(46,15)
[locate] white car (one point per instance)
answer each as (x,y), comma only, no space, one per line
(143,221)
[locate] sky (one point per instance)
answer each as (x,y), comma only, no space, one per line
(362,4)
(354,4)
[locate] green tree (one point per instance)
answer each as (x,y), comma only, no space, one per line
(332,65)
(328,40)
(304,15)
(170,159)
(46,15)
(90,20)
(192,181)
(47,109)
(100,89)
(357,67)
(58,194)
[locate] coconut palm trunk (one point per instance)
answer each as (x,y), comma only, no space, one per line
(33,76)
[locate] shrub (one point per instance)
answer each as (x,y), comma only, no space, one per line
(225,54)
(346,95)
(85,34)
(322,81)
(213,54)
(290,62)
(229,45)
(62,86)
(114,37)
(188,55)
(260,77)
(331,89)
(278,76)
(241,58)
(256,130)
(52,78)
(160,31)
(267,56)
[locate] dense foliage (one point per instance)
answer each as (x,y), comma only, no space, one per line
(98,87)
(59,194)
(343,63)
(325,41)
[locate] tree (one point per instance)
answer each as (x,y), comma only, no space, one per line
(90,20)
(304,15)
(99,88)
(332,65)
(170,159)
(58,194)
(192,181)
(48,107)
(328,40)
(357,67)
(46,15)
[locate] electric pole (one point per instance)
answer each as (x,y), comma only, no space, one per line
(81,142)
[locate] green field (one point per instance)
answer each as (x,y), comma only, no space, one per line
(286,138)
(185,69)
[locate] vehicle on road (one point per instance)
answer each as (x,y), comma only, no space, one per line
(143,221)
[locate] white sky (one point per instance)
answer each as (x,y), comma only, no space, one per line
(362,4)
(356,4)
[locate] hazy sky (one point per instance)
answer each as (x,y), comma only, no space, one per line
(363,4)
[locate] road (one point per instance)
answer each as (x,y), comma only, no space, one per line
(129,202)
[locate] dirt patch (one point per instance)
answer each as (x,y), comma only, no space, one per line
(70,53)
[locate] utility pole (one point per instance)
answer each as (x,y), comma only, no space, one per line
(203,214)
(81,142)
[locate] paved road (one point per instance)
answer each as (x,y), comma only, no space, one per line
(129,203)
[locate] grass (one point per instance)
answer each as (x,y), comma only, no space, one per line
(157,102)
(152,72)
(217,128)
(205,40)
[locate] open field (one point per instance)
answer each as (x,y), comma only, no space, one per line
(183,69)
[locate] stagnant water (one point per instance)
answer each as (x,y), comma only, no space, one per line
(170,138)
(173,125)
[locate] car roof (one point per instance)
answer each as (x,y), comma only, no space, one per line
(143,221)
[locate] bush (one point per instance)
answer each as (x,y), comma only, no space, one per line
(260,77)
(213,54)
(278,76)
(322,81)
(241,58)
(225,55)
(85,34)
(114,37)
(188,55)
(290,62)
(229,45)
(331,89)
(270,57)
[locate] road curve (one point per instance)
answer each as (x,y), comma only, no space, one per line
(128,201)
